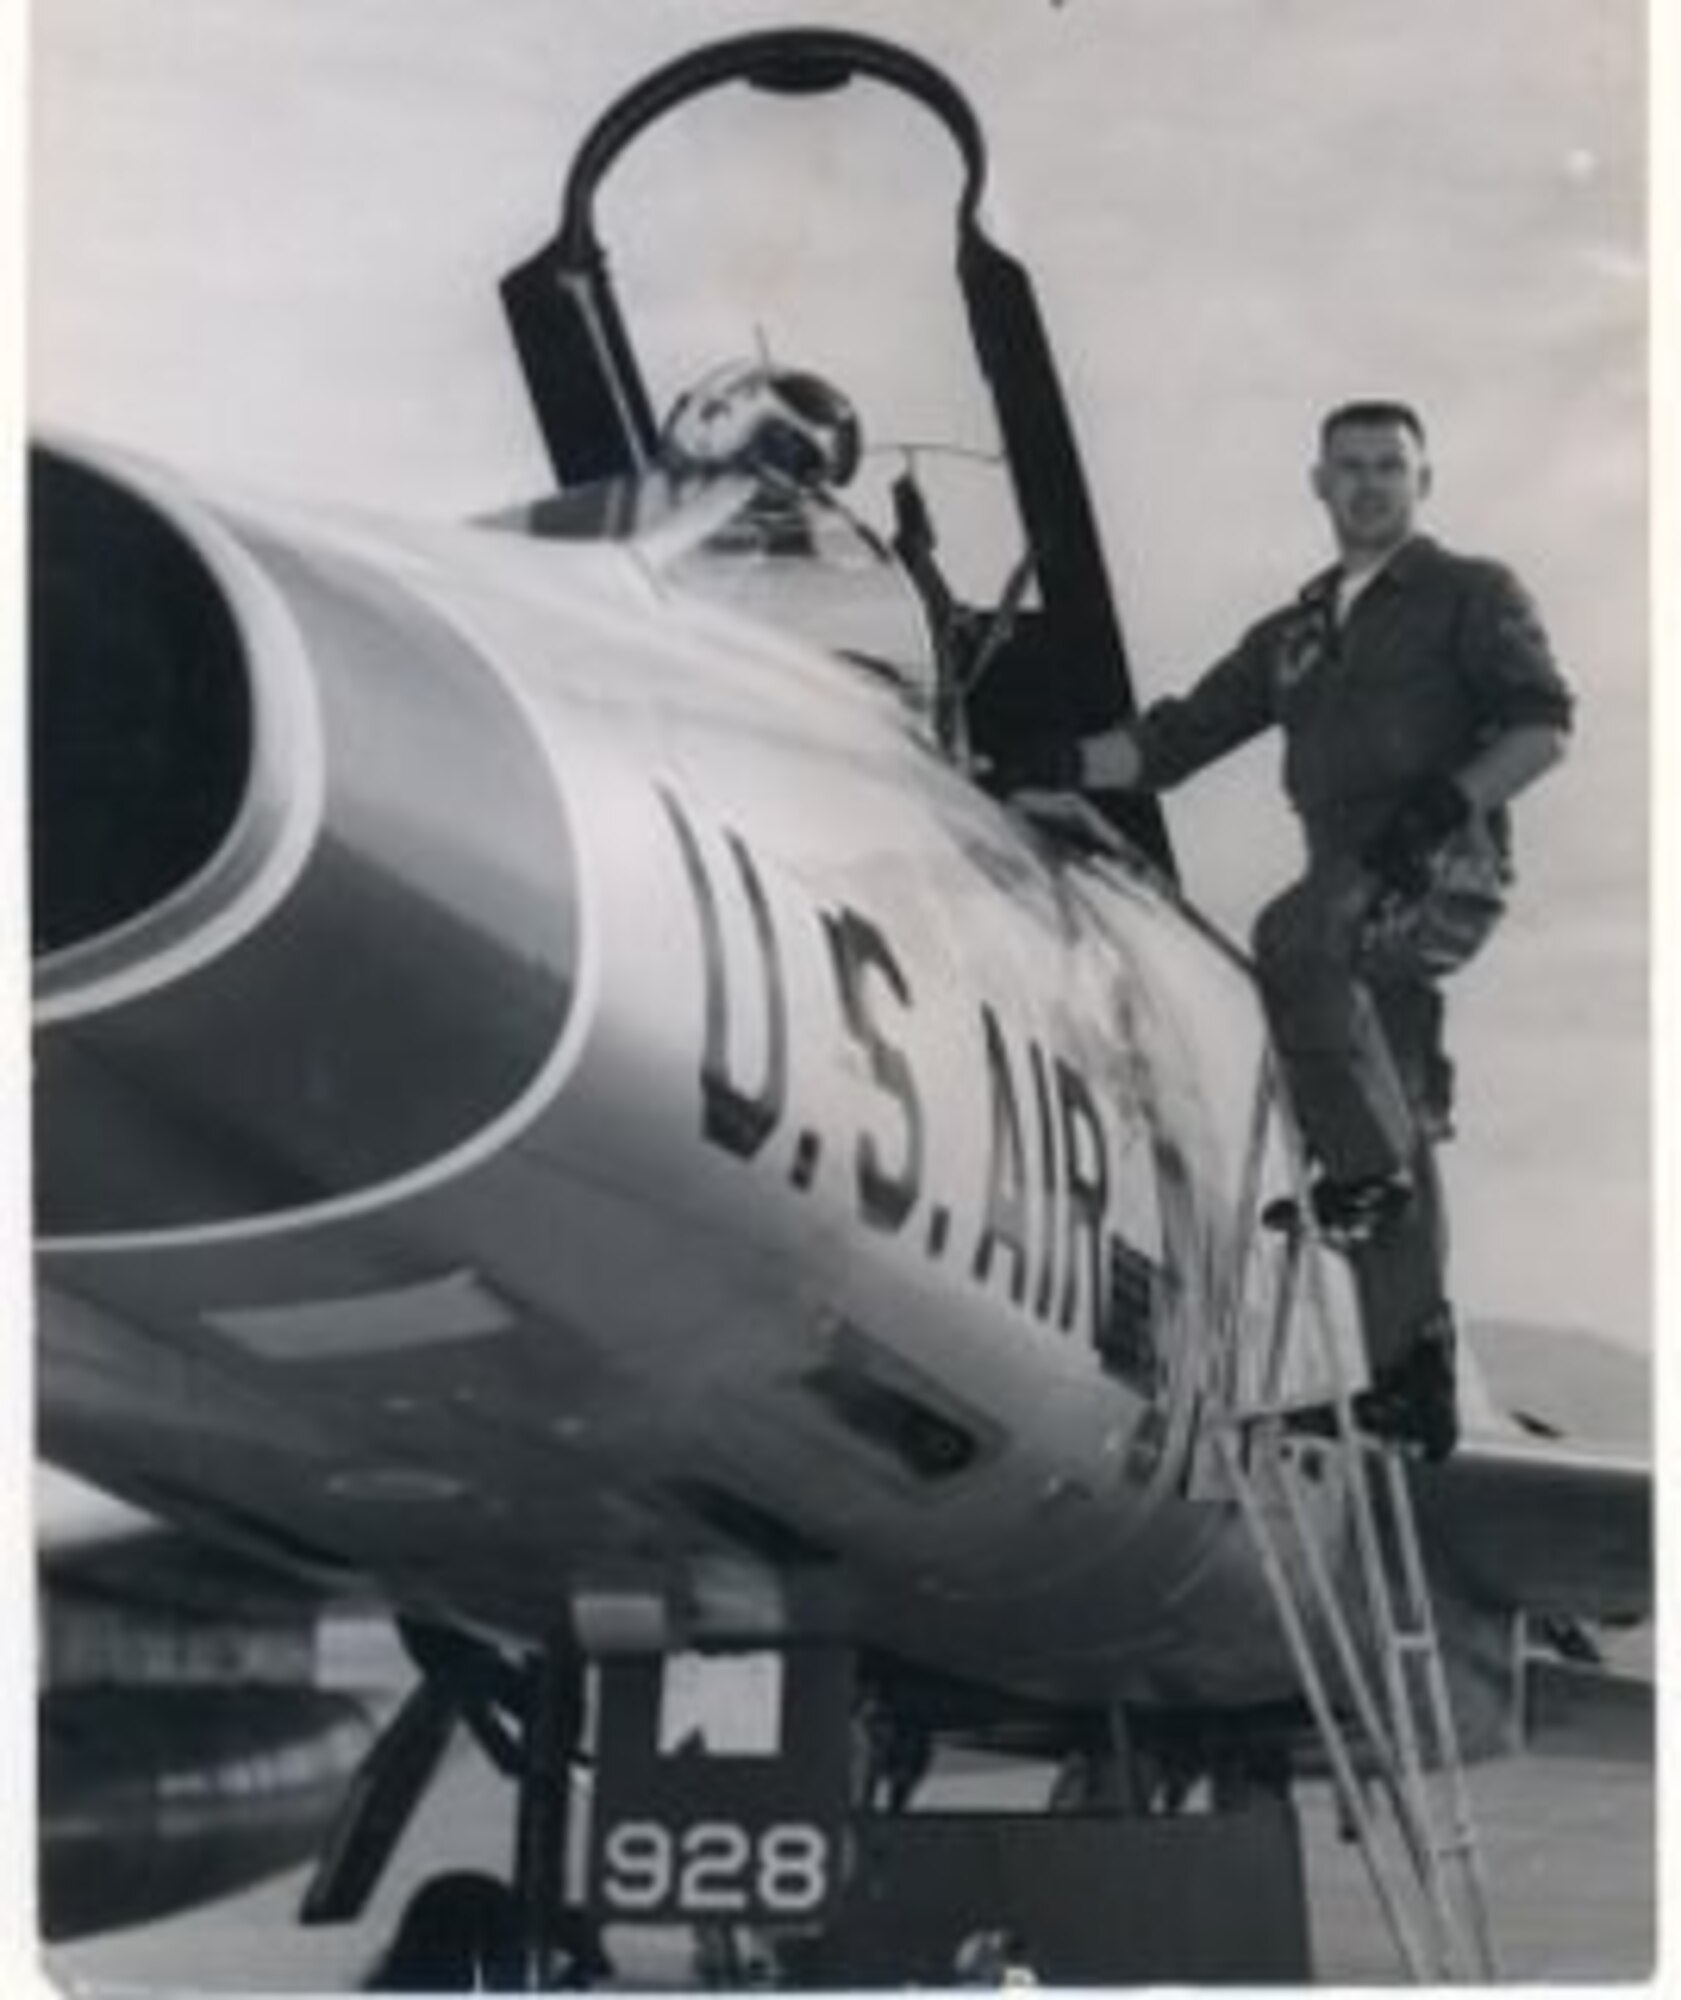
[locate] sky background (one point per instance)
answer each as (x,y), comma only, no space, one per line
(266,240)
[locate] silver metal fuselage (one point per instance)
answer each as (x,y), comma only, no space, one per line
(624,1135)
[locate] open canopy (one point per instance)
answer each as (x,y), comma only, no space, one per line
(1064,669)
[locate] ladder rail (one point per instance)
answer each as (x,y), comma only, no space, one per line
(1350,1793)
(1412,1818)
(1399,1761)
(1355,1673)
(1283,1306)
(1464,1922)
(1230,1318)
(1450,1762)
(1399,1619)
(1297,1254)
(1376,1577)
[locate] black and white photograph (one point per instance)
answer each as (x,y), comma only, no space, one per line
(839,1012)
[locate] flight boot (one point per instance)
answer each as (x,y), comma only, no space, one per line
(1412,1402)
(1346,1213)
(1352,1212)
(1416,1401)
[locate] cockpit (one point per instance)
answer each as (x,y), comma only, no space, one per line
(804,564)
(808,565)
(743,509)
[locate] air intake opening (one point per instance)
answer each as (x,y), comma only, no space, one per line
(140,724)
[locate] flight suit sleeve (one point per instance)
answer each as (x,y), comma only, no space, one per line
(1231,703)
(1506,658)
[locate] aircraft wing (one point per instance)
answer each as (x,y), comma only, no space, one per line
(126,1559)
(1543,1526)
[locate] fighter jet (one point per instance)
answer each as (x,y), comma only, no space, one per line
(567,1109)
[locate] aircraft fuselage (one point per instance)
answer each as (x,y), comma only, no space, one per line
(622,1130)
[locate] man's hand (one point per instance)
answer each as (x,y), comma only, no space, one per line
(1109,761)
(1113,761)
(1036,764)
(1399,854)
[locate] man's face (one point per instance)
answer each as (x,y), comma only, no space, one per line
(1372,479)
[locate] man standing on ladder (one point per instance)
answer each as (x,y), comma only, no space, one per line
(1417,694)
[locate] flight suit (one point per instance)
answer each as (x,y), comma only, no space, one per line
(1436,656)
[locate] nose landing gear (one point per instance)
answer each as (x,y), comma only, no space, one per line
(465,1931)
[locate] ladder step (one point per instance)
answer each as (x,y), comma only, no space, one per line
(1246,1415)
(1316,1416)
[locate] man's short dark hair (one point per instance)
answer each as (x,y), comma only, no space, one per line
(1372,411)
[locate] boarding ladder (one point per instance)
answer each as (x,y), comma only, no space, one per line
(1367,1651)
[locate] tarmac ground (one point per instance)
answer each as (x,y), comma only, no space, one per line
(1568,1851)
